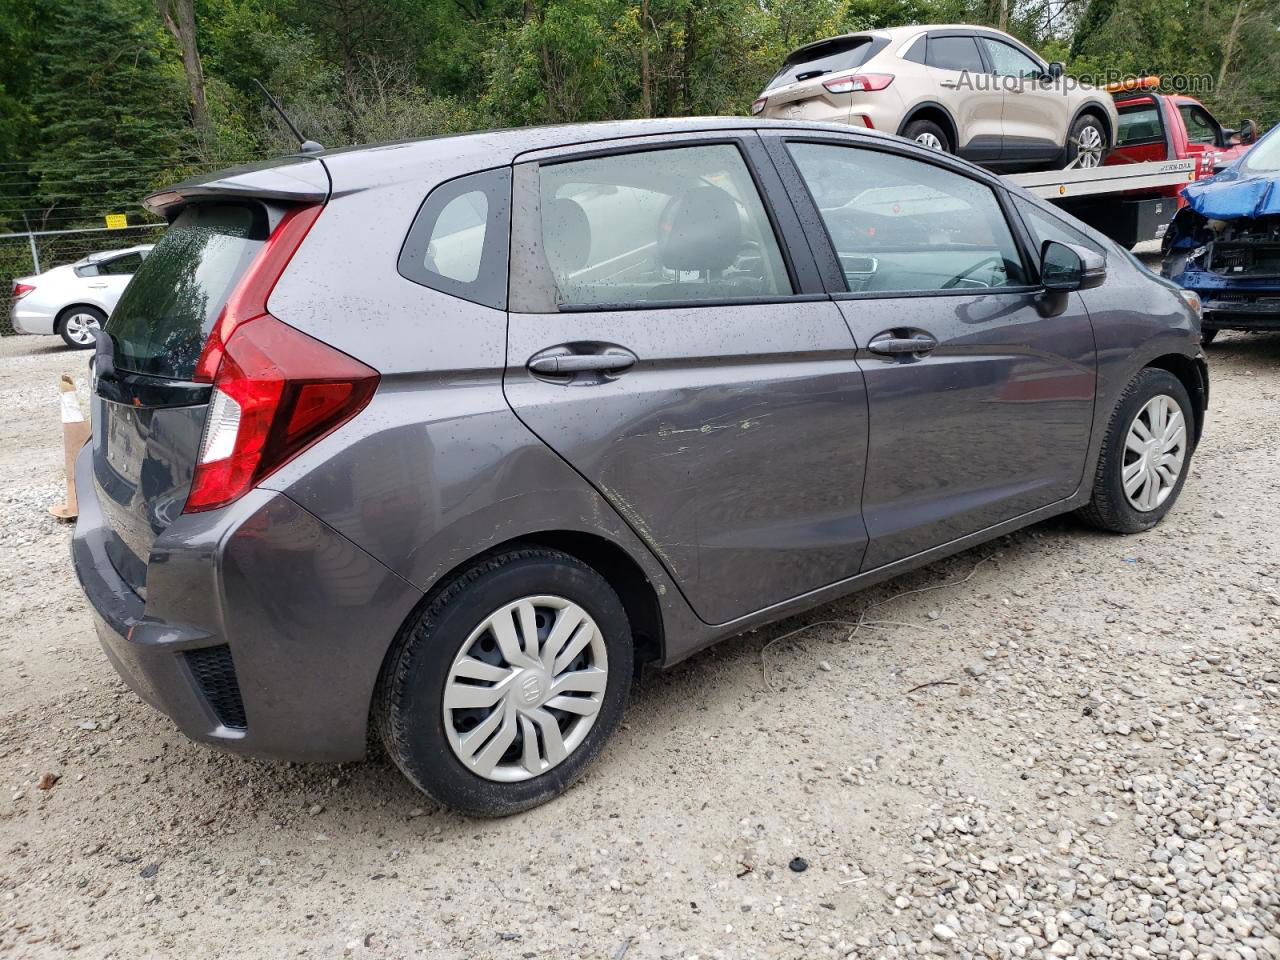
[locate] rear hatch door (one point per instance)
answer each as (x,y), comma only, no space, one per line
(148,409)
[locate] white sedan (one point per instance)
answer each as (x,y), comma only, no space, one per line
(75,300)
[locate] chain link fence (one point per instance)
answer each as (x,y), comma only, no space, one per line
(26,254)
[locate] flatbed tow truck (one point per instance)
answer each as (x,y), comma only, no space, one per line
(1103,197)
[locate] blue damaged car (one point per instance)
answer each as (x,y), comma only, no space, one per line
(1225,243)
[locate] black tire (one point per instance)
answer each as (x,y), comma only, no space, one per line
(921,128)
(1077,134)
(1207,336)
(1109,508)
(73,313)
(409,702)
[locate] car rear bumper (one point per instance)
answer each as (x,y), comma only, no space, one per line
(28,320)
(263,630)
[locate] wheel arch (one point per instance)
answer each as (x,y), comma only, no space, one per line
(78,305)
(627,578)
(1098,112)
(1193,373)
(932,110)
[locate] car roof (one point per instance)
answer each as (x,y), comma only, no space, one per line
(489,148)
(902,33)
(112,254)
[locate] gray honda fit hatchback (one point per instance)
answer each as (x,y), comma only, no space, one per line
(443,438)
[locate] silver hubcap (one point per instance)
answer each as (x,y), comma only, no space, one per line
(1154,452)
(1089,147)
(525,688)
(929,140)
(80,327)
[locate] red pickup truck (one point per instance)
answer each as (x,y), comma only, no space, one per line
(1158,127)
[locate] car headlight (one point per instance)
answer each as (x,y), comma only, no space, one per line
(1192,300)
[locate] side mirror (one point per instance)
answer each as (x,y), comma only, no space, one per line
(1248,131)
(1065,266)
(1056,70)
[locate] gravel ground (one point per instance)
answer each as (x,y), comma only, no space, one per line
(1059,744)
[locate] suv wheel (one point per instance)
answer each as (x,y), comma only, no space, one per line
(497,696)
(928,134)
(78,325)
(1145,455)
(1087,141)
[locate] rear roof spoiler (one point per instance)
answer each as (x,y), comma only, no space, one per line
(290,179)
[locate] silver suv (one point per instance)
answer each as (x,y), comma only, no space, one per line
(972,91)
(446,438)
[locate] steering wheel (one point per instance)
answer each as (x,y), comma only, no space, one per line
(985,262)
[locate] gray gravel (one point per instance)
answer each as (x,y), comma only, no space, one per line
(1069,748)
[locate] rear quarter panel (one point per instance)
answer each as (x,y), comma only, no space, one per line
(437,469)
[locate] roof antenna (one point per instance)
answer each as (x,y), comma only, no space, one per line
(305,145)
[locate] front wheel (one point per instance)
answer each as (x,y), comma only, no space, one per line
(78,325)
(1145,455)
(1086,143)
(497,696)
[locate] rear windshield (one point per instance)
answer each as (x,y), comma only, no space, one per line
(830,56)
(1139,123)
(167,310)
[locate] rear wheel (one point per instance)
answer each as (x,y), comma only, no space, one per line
(507,685)
(77,326)
(928,134)
(1145,455)
(1086,142)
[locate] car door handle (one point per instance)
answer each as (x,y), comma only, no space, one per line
(949,84)
(98,286)
(559,362)
(887,345)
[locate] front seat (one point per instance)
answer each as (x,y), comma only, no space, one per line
(700,231)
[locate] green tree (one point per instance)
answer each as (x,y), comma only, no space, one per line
(111,112)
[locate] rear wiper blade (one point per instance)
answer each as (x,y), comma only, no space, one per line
(103,361)
(810,74)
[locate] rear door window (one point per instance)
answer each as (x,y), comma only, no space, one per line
(830,56)
(675,225)
(955,53)
(166,312)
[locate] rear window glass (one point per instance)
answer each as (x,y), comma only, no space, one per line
(955,53)
(458,242)
(1139,123)
(167,310)
(830,56)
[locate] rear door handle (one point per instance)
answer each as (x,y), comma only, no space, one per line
(560,362)
(949,84)
(887,345)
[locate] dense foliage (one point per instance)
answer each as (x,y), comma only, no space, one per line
(101,100)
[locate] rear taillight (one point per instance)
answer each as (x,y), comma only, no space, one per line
(249,299)
(859,83)
(20,290)
(758,105)
(277,391)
